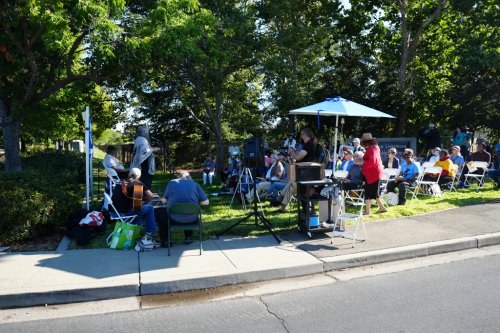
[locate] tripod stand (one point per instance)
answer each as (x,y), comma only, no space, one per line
(244,178)
(258,216)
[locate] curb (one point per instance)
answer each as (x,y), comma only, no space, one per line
(409,252)
(324,265)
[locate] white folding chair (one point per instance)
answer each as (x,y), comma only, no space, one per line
(388,175)
(358,201)
(113,178)
(482,167)
(123,217)
(458,173)
(426,185)
(427,164)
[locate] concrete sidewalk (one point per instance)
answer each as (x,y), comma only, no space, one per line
(34,278)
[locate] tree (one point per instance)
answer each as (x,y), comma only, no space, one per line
(197,51)
(50,45)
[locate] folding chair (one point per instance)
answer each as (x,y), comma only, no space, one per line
(185,209)
(123,217)
(413,189)
(458,173)
(425,185)
(480,176)
(113,180)
(427,165)
(388,175)
(342,216)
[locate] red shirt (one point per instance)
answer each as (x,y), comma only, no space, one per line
(372,164)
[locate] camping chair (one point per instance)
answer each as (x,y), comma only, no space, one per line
(426,185)
(357,201)
(123,217)
(480,176)
(456,179)
(185,209)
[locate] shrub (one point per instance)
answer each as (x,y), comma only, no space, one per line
(34,204)
(38,200)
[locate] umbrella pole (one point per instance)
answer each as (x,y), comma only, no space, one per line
(335,144)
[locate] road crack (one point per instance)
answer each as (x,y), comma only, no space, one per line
(275,315)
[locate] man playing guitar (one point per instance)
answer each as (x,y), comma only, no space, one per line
(129,198)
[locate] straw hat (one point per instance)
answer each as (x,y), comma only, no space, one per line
(366,137)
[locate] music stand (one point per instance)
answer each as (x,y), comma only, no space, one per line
(265,223)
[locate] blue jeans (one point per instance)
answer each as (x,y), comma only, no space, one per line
(275,187)
(148,212)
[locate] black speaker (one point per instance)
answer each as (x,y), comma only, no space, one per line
(254,153)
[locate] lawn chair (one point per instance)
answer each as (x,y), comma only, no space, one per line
(426,186)
(116,215)
(481,166)
(456,180)
(358,201)
(185,209)
(388,175)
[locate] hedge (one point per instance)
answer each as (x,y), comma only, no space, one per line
(39,200)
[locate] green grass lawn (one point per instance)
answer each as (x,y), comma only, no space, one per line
(218,215)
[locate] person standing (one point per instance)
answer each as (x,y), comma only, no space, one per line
(431,137)
(143,156)
(461,139)
(184,190)
(308,151)
(372,170)
(290,141)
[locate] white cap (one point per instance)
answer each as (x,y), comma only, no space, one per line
(356,140)
(135,173)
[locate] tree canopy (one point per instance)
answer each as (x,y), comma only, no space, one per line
(224,70)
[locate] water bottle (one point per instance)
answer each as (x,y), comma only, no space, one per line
(116,238)
(128,241)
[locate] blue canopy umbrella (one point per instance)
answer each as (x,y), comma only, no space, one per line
(339,106)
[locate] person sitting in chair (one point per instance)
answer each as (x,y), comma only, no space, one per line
(111,162)
(353,180)
(184,190)
(481,155)
(123,197)
(456,156)
(434,155)
(208,169)
(273,174)
(407,177)
(347,162)
(392,162)
(448,170)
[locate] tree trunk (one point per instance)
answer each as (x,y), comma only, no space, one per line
(11,145)
(219,142)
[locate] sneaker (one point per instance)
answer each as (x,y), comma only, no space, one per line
(147,243)
(461,185)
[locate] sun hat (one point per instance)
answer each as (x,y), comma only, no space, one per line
(366,137)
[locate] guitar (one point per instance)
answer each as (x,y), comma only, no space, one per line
(136,196)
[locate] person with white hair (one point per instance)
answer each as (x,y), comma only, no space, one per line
(273,174)
(181,191)
(123,197)
(354,180)
(356,142)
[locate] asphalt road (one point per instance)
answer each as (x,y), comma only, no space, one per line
(461,296)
